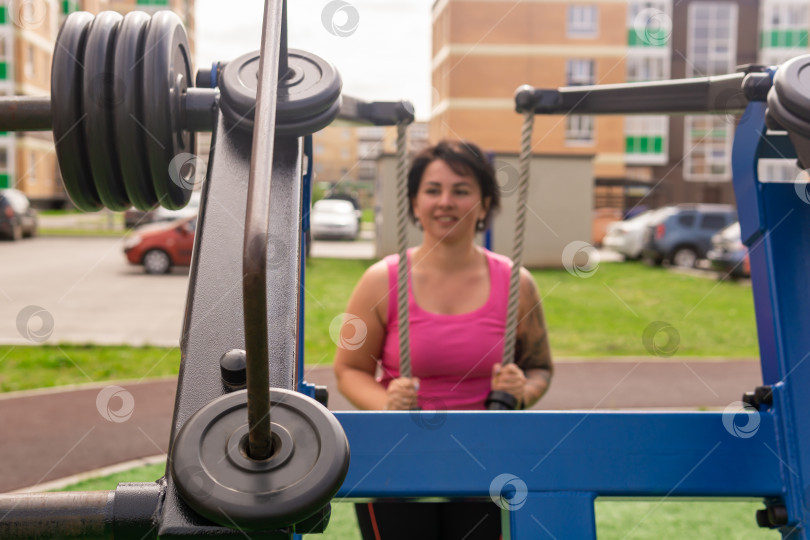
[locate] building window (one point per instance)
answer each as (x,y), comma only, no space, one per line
(579,130)
(784,25)
(645,136)
(647,68)
(649,23)
(69,6)
(583,21)
(707,148)
(780,171)
(712,39)
(579,72)
(5,52)
(711,50)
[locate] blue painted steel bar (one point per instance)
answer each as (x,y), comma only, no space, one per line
(460,454)
(774,219)
(306,205)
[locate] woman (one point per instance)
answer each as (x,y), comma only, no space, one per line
(457,314)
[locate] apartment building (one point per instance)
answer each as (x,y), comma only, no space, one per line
(483,49)
(28,31)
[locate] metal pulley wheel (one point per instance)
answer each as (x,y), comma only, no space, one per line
(214,475)
(308,95)
(116,88)
(789,97)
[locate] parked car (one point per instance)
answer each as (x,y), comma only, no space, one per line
(627,237)
(335,219)
(728,254)
(682,234)
(602,218)
(358,210)
(135,218)
(160,246)
(17,218)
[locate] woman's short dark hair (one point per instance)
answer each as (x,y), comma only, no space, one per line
(464,158)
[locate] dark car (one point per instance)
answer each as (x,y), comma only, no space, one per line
(682,234)
(17,218)
(159,246)
(728,255)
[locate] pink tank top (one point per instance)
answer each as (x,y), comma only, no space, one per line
(451,355)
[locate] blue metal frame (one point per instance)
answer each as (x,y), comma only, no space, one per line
(559,463)
(773,218)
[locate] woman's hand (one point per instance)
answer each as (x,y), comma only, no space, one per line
(511,379)
(402,394)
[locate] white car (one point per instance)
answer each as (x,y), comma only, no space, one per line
(334,218)
(627,237)
(191,209)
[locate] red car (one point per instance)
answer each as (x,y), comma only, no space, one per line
(160,246)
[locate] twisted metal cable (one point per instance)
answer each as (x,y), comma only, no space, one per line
(520,229)
(402,245)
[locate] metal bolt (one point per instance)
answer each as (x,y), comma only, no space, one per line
(233,369)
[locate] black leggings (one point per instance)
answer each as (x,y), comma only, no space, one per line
(429,521)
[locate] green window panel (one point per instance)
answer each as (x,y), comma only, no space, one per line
(4,181)
(69,6)
(3,16)
(654,38)
(3,71)
(645,143)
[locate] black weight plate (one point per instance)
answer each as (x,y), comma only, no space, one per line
(99,105)
(128,117)
(167,74)
(217,480)
(68,112)
(307,97)
(792,84)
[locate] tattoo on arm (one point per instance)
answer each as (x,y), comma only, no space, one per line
(532,348)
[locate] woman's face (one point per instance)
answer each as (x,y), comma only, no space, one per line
(447,204)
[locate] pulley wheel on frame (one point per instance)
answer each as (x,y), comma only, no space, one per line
(308,94)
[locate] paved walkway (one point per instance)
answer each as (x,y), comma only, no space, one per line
(56,433)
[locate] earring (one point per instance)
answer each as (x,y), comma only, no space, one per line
(480,225)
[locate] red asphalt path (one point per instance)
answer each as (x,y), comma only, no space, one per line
(47,435)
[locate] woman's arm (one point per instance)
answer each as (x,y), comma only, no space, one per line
(532,351)
(356,359)
(528,378)
(360,347)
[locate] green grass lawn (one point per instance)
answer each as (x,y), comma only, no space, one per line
(615,520)
(600,316)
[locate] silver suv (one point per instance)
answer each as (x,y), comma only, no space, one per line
(682,234)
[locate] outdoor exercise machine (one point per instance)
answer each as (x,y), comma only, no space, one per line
(269,462)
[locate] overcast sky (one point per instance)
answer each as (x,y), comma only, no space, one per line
(380,47)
